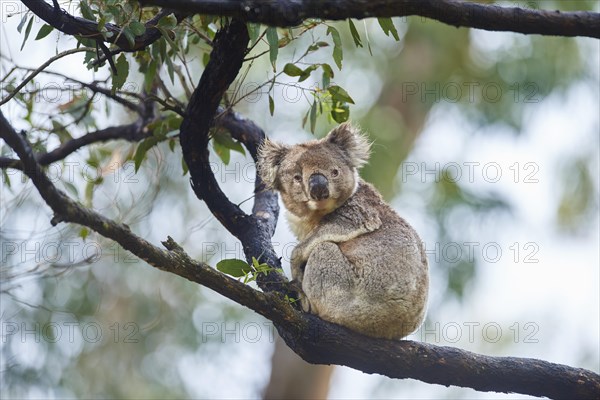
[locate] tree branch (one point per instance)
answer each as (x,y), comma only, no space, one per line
(266,206)
(452,12)
(71,25)
(254,231)
(316,340)
(131,132)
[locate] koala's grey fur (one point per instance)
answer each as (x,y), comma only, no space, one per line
(359,264)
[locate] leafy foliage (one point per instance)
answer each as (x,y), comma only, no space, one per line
(241,269)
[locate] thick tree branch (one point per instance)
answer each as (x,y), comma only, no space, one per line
(318,341)
(266,206)
(452,12)
(254,231)
(71,25)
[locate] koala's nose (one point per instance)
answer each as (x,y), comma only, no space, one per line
(318,186)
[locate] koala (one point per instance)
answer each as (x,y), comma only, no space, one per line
(357,262)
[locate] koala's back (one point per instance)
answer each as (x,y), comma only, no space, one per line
(386,295)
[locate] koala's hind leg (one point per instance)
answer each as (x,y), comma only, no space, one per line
(328,283)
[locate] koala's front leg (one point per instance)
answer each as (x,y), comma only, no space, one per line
(298,263)
(329,283)
(338,229)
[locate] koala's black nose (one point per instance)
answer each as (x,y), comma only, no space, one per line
(318,187)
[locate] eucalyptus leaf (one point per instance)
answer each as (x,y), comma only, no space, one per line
(388,27)
(273,41)
(355,35)
(44,31)
(338,54)
(339,94)
(234,267)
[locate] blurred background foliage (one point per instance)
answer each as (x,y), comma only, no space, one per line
(142,333)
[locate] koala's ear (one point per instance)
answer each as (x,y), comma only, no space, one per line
(352,142)
(270,156)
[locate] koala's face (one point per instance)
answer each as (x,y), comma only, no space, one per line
(316,177)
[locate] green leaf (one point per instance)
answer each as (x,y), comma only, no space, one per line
(167,35)
(120,77)
(224,141)
(327,75)
(292,70)
(184,167)
(340,112)
(27,31)
(223,152)
(44,31)
(316,46)
(339,94)
(388,26)
(234,267)
(355,35)
(273,45)
(337,46)
(168,21)
(313,116)
(253,32)
(170,69)
(129,35)
(142,149)
(261,268)
(83,233)
(306,73)
(102,25)
(6,178)
(137,28)
(271,105)
(150,75)
(86,11)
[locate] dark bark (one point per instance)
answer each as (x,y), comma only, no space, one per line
(456,13)
(266,207)
(254,231)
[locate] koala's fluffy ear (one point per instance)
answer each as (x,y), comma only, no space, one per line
(352,142)
(270,156)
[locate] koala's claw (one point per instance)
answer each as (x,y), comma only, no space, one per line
(296,286)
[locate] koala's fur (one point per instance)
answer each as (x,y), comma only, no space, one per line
(358,263)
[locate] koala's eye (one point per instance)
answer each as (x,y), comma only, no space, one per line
(335,172)
(298,178)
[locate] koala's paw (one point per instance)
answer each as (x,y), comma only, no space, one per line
(305,303)
(297,254)
(298,263)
